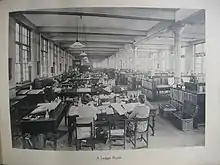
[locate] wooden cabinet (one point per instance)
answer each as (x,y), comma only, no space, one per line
(179,96)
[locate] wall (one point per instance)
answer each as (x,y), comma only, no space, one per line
(35,54)
(12,50)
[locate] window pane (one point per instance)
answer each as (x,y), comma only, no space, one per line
(17,49)
(17,37)
(25,32)
(17,73)
(17,28)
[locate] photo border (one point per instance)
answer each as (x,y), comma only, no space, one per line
(184,155)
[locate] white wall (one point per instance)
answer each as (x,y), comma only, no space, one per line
(35,54)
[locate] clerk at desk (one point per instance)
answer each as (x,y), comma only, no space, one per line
(86,108)
(140,111)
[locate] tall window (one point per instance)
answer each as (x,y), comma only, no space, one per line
(61,60)
(23,55)
(44,57)
(51,57)
(55,54)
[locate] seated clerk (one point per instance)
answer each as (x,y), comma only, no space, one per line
(36,83)
(140,111)
(86,108)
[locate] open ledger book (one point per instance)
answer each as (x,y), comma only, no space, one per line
(116,83)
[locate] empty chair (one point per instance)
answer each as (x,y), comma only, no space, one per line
(138,129)
(84,130)
(117,132)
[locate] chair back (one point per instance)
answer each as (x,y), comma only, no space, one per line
(141,124)
(84,126)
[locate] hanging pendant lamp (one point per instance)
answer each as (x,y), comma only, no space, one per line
(77,44)
(83,53)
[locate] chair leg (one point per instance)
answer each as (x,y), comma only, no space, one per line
(77,144)
(110,144)
(92,144)
(147,138)
(135,140)
(124,141)
(23,142)
(29,142)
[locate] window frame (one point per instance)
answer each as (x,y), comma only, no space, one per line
(44,49)
(24,45)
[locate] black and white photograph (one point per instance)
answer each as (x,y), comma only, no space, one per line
(107,78)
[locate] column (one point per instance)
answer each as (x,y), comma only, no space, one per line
(177,53)
(116,58)
(189,59)
(134,48)
(153,63)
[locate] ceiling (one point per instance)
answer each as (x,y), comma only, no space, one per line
(105,31)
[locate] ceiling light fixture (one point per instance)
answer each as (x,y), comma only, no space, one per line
(77,44)
(83,53)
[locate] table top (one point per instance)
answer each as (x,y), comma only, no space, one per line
(120,108)
(18,98)
(23,92)
(13,103)
(42,108)
(79,90)
(163,86)
(83,111)
(35,91)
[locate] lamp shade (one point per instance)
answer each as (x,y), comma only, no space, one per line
(77,44)
(83,54)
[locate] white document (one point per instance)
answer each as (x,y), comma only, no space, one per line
(117,107)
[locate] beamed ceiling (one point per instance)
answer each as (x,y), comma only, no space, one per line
(105,31)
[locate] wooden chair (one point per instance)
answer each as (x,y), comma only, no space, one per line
(84,130)
(117,131)
(134,133)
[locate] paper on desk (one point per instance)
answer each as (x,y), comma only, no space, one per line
(23,92)
(42,107)
(130,106)
(105,109)
(39,109)
(42,104)
(117,107)
(84,90)
(35,91)
(107,89)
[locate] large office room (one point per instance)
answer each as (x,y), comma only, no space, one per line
(99,79)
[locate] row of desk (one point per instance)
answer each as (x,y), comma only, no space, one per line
(34,123)
(110,112)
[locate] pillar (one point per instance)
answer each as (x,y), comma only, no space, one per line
(116,59)
(134,48)
(177,53)
(153,63)
(189,59)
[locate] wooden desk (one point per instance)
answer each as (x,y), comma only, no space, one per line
(109,116)
(42,125)
(153,111)
(73,92)
(17,104)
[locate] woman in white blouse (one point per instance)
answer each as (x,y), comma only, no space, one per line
(140,111)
